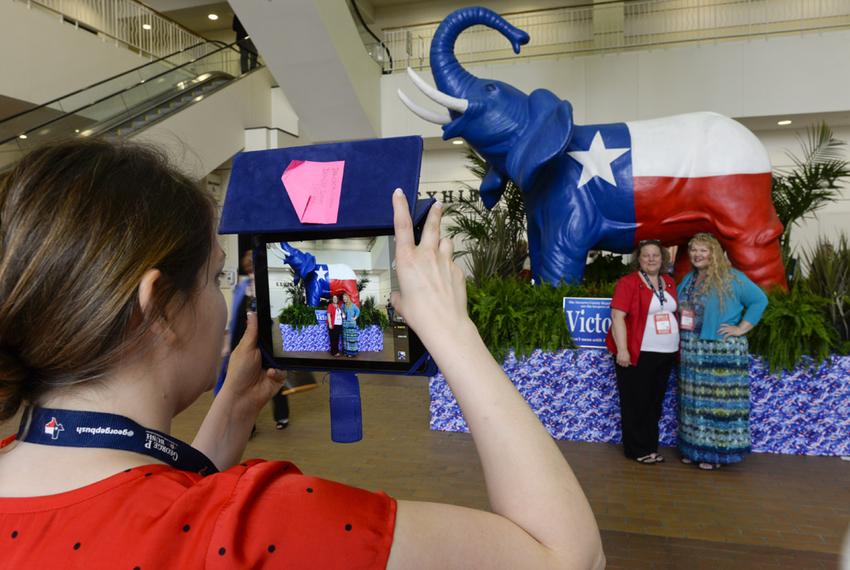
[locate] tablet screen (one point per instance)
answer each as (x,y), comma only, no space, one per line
(329,300)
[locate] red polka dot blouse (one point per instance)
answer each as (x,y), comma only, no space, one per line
(260,514)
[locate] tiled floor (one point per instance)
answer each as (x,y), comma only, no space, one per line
(769,512)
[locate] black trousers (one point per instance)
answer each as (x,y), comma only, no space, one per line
(641,390)
(280,407)
(334,333)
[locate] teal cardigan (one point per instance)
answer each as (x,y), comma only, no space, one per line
(744,302)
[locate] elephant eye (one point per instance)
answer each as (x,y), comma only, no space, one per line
(490,87)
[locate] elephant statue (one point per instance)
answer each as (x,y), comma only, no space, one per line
(321,281)
(607,186)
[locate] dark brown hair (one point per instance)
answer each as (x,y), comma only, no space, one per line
(666,261)
(80,223)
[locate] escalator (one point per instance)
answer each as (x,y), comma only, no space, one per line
(126,104)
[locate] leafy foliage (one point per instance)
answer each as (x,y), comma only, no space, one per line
(829,277)
(495,243)
(512,314)
(361,284)
(793,325)
(813,181)
(296,291)
(372,315)
(298,316)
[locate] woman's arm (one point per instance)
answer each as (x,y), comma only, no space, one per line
(618,328)
(754,301)
(540,516)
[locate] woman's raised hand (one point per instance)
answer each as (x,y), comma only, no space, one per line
(433,288)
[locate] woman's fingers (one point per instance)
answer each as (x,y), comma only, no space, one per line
(402,222)
(249,339)
(447,248)
(431,231)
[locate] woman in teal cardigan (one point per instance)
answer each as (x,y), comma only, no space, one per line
(718,306)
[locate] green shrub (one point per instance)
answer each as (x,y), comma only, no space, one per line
(372,315)
(512,314)
(829,277)
(793,325)
(298,316)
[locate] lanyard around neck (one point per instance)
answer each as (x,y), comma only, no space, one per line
(70,428)
(658,293)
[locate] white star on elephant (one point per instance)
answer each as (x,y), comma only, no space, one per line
(321,274)
(596,161)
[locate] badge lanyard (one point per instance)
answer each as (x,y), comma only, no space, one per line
(660,292)
(68,428)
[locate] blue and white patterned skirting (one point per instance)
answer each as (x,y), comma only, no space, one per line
(805,411)
(315,338)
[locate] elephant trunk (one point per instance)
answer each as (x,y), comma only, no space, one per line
(449,75)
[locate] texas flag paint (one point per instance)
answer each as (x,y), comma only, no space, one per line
(336,279)
(321,280)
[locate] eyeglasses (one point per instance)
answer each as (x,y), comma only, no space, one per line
(644,242)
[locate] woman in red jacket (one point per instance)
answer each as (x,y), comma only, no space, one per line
(334,319)
(644,338)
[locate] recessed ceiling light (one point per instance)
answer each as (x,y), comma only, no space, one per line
(146,26)
(22,136)
(212,17)
(457,141)
(783,123)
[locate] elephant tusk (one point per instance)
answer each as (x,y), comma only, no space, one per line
(438,117)
(452,103)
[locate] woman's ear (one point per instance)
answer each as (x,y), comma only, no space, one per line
(151,279)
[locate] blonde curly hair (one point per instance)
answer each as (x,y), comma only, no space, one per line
(718,274)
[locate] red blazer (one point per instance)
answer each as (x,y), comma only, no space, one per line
(331,315)
(633,297)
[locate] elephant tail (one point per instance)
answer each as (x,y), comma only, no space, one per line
(449,75)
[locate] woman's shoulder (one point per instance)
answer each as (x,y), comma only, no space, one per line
(161,517)
(631,279)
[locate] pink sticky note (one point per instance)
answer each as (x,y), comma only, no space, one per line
(314,189)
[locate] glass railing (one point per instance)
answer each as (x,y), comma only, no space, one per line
(106,105)
(21,123)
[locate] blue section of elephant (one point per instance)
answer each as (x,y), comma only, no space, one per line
(805,411)
(315,338)
(616,204)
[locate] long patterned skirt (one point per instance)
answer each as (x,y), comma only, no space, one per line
(714,399)
(350,338)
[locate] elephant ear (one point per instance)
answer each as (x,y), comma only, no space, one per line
(548,132)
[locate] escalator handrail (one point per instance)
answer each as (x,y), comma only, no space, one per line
(142,109)
(101,82)
(13,137)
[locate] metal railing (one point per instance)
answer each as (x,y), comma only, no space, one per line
(127,22)
(22,122)
(622,25)
(100,109)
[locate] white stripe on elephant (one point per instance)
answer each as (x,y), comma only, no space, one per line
(695,145)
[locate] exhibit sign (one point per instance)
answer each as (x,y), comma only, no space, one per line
(588,320)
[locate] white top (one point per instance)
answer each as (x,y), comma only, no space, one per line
(662,331)
(338,316)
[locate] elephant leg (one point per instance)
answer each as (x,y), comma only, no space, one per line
(759,257)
